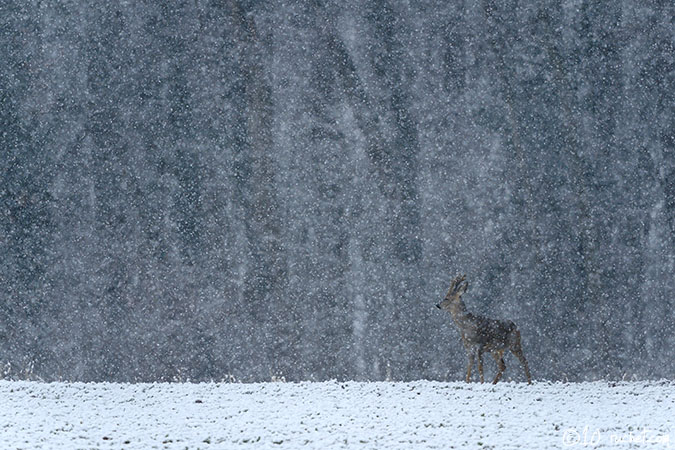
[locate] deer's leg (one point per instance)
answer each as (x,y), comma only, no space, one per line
(480,365)
(517,350)
(499,359)
(523,361)
(469,366)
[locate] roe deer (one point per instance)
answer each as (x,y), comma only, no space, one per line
(481,334)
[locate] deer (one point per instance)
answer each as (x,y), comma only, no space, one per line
(481,334)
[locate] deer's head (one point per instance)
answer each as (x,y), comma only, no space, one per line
(454,295)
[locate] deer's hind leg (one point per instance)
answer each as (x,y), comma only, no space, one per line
(498,355)
(517,350)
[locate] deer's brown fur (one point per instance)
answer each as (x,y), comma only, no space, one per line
(481,334)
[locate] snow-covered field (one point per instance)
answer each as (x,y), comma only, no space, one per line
(355,415)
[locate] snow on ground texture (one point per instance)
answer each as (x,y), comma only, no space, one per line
(355,415)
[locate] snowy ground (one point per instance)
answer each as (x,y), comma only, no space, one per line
(337,415)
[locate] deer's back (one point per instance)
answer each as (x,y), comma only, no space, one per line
(490,334)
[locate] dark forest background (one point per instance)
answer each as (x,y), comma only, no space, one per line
(198,190)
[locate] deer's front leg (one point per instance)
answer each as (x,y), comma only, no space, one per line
(470,365)
(480,365)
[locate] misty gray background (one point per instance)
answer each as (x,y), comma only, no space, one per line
(254,190)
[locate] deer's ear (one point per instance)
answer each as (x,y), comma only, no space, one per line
(463,288)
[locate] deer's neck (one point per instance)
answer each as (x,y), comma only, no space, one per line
(459,313)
